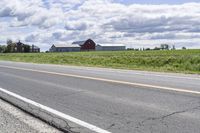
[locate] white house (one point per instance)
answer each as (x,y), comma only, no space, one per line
(65,48)
(110,47)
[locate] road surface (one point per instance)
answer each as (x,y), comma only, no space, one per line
(118,101)
(13,120)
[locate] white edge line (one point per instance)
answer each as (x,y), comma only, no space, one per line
(55,112)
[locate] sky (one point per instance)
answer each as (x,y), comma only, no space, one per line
(135,23)
(155,1)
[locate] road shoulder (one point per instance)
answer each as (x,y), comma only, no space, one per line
(13,120)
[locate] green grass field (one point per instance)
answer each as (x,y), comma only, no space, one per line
(184,61)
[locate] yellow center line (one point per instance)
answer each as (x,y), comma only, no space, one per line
(107,80)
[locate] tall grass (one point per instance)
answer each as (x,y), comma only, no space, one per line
(186,61)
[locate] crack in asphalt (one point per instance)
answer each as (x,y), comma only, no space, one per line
(112,125)
(66,128)
(162,118)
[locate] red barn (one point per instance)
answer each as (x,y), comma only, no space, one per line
(88,45)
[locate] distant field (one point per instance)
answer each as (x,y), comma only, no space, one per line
(184,61)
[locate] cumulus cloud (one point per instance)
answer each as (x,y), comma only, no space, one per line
(76,25)
(33,12)
(136,25)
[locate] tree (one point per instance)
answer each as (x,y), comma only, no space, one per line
(26,48)
(9,46)
(164,46)
(2,48)
(130,49)
(9,42)
(147,49)
(183,48)
(173,47)
(156,48)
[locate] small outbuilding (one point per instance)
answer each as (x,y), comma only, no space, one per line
(88,45)
(110,47)
(64,48)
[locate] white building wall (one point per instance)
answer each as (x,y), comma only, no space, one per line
(65,49)
(110,48)
(68,49)
(98,48)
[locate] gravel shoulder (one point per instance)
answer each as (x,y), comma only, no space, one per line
(13,120)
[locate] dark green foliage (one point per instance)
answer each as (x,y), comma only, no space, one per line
(26,48)
(2,48)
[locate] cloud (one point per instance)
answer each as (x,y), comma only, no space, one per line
(26,13)
(76,25)
(160,18)
(49,21)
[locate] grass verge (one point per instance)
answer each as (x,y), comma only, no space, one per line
(182,61)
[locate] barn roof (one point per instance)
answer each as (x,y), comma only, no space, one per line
(109,45)
(79,42)
(82,42)
(66,45)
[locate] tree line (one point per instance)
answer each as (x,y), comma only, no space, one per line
(162,47)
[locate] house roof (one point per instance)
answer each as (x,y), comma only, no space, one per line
(19,43)
(66,45)
(109,45)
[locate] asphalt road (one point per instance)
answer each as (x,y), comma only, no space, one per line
(119,101)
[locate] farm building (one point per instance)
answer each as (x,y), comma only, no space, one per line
(64,48)
(110,47)
(88,45)
(34,49)
(19,47)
